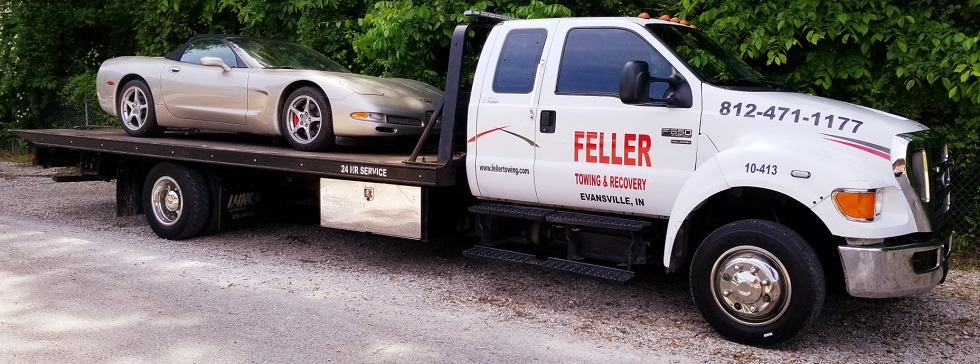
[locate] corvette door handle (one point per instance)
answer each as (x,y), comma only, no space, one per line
(548,121)
(174,69)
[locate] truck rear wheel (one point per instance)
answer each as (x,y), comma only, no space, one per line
(176,200)
(757,282)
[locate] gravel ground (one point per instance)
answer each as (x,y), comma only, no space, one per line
(498,312)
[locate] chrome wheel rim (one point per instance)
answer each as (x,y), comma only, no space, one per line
(750,285)
(167,201)
(304,119)
(134,107)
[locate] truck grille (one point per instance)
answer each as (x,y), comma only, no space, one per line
(926,168)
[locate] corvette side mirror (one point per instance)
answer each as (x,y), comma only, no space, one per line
(215,62)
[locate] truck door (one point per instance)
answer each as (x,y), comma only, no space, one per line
(503,137)
(595,151)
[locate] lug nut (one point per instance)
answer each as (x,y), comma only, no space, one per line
(752,309)
(738,267)
(765,282)
(753,270)
(726,293)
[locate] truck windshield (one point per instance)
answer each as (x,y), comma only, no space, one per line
(712,63)
(278,54)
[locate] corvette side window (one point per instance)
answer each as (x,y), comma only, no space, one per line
(209,47)
(593,61)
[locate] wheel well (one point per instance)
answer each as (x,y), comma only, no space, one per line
(123,82)
(286,91)
(742,203)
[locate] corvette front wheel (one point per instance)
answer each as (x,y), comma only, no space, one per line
(306,120)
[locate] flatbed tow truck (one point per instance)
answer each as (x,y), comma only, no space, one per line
(593,145)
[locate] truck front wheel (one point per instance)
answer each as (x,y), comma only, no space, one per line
(176,200)
(757,282)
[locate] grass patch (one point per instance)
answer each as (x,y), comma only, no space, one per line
(966,259)
(15,156)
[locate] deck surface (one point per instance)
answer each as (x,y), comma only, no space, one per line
(383,163)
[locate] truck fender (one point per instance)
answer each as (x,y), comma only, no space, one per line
(727,169)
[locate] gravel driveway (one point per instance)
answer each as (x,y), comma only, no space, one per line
(78,284)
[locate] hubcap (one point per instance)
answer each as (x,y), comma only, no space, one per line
(134,108)
(750,285)
(167,201)
(304,119)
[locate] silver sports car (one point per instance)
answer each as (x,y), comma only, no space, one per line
(260,86)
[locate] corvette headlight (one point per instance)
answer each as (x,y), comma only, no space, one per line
(368,116)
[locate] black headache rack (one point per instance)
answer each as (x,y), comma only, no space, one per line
(452,135)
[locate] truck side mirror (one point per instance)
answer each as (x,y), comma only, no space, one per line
(635,81)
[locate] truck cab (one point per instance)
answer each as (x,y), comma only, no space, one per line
(765,194)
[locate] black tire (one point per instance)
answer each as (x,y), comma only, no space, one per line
(757,282)
(306,120)
(136,110)
(176,201)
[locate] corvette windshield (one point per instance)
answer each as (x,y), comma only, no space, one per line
(713,64)
(278,54)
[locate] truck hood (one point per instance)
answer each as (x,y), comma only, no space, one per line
(789,115)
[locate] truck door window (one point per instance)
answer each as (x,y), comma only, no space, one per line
(593,61)
(518,62)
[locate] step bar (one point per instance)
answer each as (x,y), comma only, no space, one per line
(585,269)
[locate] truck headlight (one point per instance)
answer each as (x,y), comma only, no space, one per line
(858,204)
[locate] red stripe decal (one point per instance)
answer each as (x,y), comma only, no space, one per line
(473,139)
(864,148)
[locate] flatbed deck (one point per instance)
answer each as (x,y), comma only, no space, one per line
(381,164)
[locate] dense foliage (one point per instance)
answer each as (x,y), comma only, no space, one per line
(918,58)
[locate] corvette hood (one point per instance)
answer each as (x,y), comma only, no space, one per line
(395,87)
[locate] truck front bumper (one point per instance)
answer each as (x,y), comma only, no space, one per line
(882,271)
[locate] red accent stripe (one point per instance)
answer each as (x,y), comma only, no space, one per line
(864,148)
(473,139)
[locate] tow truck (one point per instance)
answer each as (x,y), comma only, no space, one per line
(594,146)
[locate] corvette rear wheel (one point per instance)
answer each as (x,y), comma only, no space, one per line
(136,111)
(306,120)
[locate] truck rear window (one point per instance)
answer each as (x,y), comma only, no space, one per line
(518,61)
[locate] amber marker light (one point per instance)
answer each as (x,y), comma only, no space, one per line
(858,205)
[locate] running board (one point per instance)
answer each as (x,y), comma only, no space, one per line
(585,269)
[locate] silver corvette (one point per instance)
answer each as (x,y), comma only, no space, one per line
(260,86)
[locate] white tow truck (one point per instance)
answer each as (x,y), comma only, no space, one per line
(592,145)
